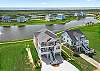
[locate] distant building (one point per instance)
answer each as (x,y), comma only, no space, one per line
(41,16)
(79,13)
(50,17)
(76,14)
(6,19)
(60,17)
(48,47)
(21,19)
(34,17)
(77,40)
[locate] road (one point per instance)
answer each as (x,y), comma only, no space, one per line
(81,22)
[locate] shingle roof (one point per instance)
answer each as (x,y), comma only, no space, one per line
(46,32)
(36,33)
(74,33)
(50,34)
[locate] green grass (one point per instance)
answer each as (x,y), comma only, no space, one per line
(93,35)
(32,22)
(13,56)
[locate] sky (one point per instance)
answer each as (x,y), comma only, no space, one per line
(49,3)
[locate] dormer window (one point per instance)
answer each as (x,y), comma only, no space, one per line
(43,44)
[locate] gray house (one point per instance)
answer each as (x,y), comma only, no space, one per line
(6,19)
(48,47)
(77,40)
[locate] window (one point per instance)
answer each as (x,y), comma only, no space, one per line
(74,43)
(51,43)
(42,49)
(67,36)
(58,47)
(43,44)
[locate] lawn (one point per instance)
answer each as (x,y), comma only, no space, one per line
(32,22)
(13,56)
(93,35)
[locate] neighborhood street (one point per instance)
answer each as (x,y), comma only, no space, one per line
(76,23)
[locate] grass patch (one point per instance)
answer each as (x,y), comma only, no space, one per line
(32,22)
(13,56)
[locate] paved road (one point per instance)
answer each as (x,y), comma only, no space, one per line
(81,22)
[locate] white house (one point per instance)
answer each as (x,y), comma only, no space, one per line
(48,47)
(81,13)
(50,17)
(60,16)
(21,19)
(77,40)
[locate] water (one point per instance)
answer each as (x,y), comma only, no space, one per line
(26,32)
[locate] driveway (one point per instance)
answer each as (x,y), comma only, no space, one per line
(65,66)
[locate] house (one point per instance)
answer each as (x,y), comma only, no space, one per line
(33,16)
(21,19)
(6,19)
(50,17)
(48,47)
(60,17)
(81,13)
(75,14)
(76,40)
(41,16)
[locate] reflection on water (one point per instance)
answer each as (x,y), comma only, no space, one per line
(24,32)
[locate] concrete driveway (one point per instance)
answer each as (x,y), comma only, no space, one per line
(65,66)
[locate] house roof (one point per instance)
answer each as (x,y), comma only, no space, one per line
(46,31)
(74,34)
(50,34)
(45,35)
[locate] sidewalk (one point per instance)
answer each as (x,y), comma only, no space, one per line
(90,60)
(65,66)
